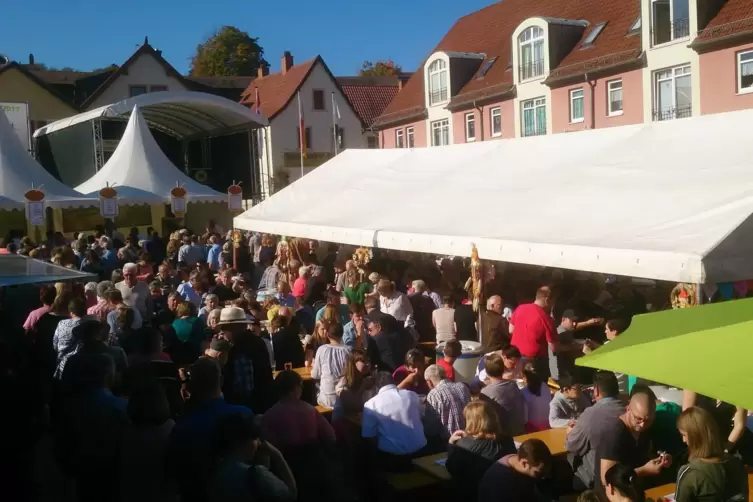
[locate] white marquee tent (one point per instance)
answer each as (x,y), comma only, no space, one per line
(142,174)
(19,172)
(668,201)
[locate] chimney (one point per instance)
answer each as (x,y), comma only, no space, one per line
(31,59)
(287,62)
(262,71)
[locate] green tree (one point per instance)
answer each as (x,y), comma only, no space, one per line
(229,52)
(380,68)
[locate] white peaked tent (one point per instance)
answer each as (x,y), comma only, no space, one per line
(667,200)
(19,172)
(142,174)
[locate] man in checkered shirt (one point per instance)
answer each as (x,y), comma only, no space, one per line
(446,400)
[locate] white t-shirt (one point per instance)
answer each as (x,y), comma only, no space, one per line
(393,416)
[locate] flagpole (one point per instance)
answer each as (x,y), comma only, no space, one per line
(334,124)
(302,133)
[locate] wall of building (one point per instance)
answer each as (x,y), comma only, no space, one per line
(669,55)
(145,70)
(283,131)
(437,111)
(507,108)
(632,104)
(387,137)
(15,87)
(533,88)
(719,86)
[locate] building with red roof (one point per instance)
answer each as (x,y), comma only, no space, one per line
(520,68)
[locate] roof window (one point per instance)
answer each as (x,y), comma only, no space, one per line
(595,32)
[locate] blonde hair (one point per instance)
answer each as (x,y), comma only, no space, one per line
(320,330)
(331,315)
(704,438)
(481,420)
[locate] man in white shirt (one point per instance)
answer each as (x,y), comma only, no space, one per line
(135,293)
(392,419)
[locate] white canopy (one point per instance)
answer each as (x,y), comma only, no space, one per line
(142,174)
(668,200)
(182,113)
(19,172)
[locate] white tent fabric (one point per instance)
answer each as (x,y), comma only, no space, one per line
(668,201)
(19,172)
(142,174)
(182,113)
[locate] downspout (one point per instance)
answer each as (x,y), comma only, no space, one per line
(481,117)
(592,85)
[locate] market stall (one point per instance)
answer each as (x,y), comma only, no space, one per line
(143,176)
(668,201)
(19,173)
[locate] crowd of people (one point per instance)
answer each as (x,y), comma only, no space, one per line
(176,375)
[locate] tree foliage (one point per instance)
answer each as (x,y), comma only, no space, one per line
(383,68)
(229,52)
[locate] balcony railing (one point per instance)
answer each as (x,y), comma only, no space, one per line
(541,131)
(661,33)
(438,96)
(674,112)
(532,70)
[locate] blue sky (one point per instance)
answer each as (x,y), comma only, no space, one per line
(87,34)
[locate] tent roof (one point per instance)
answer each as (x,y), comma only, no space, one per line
(667,200)
(17,269)
(143,173)
(19,172)
(182,113)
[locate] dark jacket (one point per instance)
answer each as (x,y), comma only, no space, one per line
(470,458)
(288,347)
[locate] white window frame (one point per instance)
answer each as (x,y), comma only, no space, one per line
(535,104)
(410,137)
(614,86)
(470,118)
(675,73)
(740,62)
(399,138)
(440,125)
(533,35)
(438,68)
(495,112)
(574,97)
(672,27)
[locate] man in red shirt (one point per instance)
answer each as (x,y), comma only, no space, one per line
(533,331)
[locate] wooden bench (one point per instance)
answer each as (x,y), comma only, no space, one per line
(403,482)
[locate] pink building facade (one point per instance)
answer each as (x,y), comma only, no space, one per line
(412,135)
(725,79)
(616,100)
(492,121)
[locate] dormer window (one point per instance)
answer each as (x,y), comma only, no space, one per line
(438,82)
(531,53)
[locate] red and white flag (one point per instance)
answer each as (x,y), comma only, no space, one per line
(257,102)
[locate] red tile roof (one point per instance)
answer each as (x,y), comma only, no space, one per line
(277,90)
(369,96)
(735,17)
(490,30)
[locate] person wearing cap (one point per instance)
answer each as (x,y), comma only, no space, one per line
(248,372)
(563,361)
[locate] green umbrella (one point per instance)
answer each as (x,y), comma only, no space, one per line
(707,349)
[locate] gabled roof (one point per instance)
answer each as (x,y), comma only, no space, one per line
(40,82)
(276,90)
(369,96)
(144,49)
(490,30)
(735,18)
(229,87)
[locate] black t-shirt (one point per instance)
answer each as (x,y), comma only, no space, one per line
(502,483)
(613,441)
(465,320)
(224,293)
(470,458)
